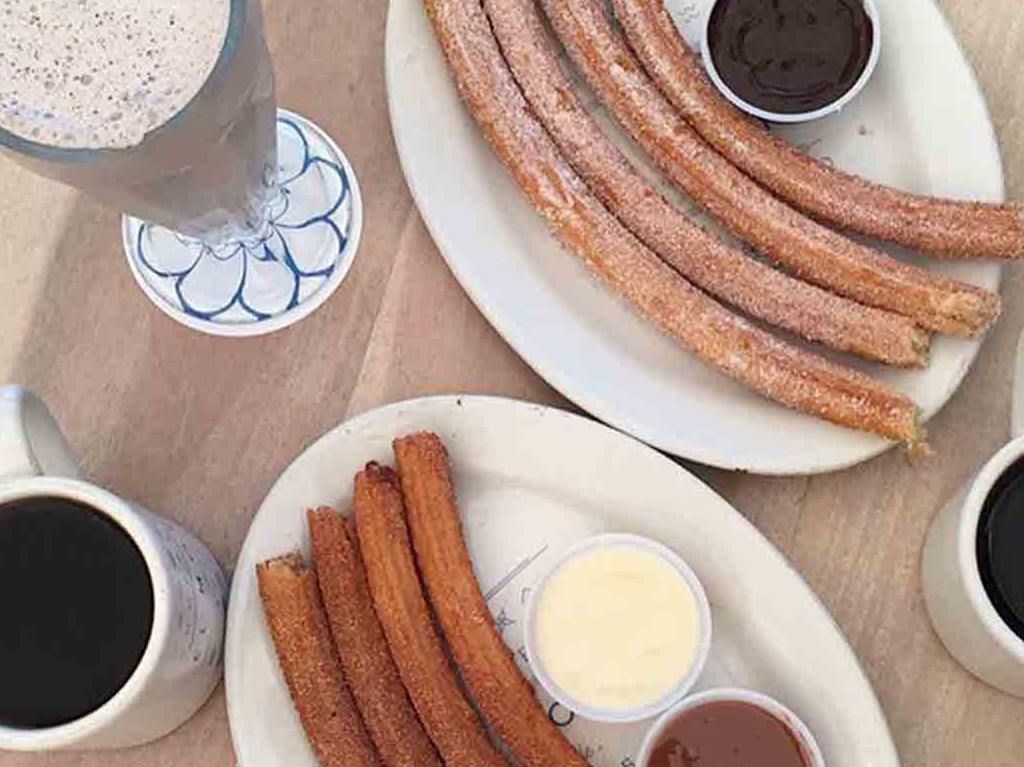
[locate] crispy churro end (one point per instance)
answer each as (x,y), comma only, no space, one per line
(292,562)
(320,522)
(981,309)
(376,472)
(318,513)
(329,529)
(426,441)
(374,481)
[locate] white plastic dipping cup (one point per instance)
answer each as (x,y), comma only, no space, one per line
(733,695)
(793,117)
(181,664)
(687,677)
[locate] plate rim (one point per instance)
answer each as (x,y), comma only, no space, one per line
(622,419)
(242,579)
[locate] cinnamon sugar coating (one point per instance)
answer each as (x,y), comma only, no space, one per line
(814,252)
(310,665)
(938,226)
(729,343)
(701,257)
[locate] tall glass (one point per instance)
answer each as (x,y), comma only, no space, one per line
(212,176)
(209,171)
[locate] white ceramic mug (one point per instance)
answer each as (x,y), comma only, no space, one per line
(182,661)
(961,611)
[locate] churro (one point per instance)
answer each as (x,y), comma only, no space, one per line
(365,658)
(704,259)
(401,606)
(727,342)
(938,226)
(814,252)
(486,663)
(305,652)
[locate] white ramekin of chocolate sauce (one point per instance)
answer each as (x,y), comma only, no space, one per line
(791,61)
(730,727)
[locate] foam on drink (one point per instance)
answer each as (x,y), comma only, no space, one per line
(103,73)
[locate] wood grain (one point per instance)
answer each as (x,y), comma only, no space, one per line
(198,428)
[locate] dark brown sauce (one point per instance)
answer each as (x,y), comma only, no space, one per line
(1001,547)
(76,611)
(790,56)
(728,734)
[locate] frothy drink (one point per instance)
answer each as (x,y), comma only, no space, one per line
(103,73)
(164,109)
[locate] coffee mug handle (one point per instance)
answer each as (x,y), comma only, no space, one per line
(31,442)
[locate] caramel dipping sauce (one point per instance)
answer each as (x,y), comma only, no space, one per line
(728,734)
(790,56)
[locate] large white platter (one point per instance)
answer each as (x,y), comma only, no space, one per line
(531,481)
(921,124)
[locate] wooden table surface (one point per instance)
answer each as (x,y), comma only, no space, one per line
(198,428)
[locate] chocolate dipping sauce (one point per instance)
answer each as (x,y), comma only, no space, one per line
(728,734)
(790,56)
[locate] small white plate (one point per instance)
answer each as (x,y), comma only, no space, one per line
(531,482)
(259,288)
(920,124)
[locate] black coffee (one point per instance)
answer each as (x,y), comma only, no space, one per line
(76,610)
(1001,547)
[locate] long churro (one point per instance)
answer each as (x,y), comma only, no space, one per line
(727,342)
(310,666)
(486,663)
(365,658)
(699,256)
(814,252)
(398,597)
(939,226)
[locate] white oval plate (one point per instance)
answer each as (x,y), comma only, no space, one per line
(532,481)
(921,124)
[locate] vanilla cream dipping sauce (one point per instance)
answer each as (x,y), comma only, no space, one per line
(617,627)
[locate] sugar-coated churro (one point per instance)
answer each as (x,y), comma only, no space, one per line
(365,658)
(706,260)
(305,652)
(936,225)
(727,342)
(486,663)
(814,252)
(398,597)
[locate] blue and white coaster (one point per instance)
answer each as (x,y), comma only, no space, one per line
(249,290)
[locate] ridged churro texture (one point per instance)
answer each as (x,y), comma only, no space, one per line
(935,225)
(402,608)
(365,658)
(306,655)
(500,690)
(727,342)
(815,253)
(698,255)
